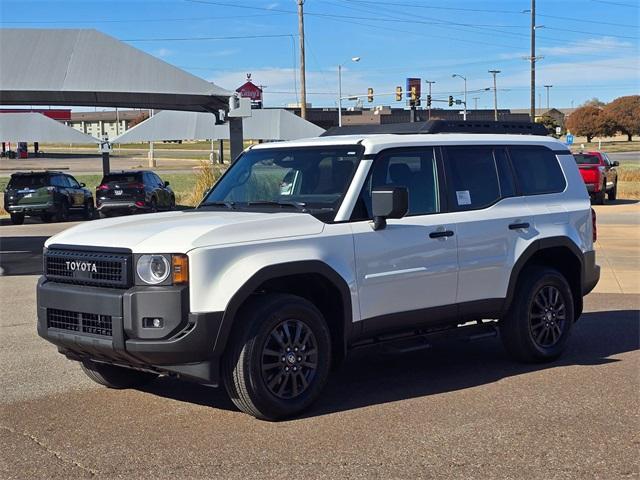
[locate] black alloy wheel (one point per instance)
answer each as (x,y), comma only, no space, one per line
(289,359)
(547,317)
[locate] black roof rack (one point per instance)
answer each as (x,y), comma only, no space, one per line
(38,172)
(441,126)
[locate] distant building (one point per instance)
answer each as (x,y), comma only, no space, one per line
(109,123)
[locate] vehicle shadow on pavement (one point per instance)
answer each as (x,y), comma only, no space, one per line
(21,255)
(612,203)
(371,376)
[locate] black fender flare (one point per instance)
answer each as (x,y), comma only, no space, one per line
(283,270)
(530,251)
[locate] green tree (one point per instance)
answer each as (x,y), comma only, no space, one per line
(624,114)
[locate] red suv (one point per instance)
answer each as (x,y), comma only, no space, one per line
(599,175)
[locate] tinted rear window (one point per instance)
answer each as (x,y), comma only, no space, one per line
(121,178)
(537,170)
(28,181)
(583,159)
(472,177)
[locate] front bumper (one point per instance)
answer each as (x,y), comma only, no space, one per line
(183,345)
(590,272)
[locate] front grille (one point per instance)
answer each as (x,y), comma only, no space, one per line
(91,323)
(102,269)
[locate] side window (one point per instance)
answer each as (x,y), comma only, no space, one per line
(72,182)
(59,181)
(414,169)
(505,173)
(537,170)
(472,177)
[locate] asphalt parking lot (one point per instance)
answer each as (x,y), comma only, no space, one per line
(459,410)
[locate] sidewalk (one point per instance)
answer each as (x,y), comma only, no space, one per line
(618,248)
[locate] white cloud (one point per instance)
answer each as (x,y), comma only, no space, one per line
(273,5)
(601,45)
(163,52)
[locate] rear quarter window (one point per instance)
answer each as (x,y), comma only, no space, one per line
(537,170)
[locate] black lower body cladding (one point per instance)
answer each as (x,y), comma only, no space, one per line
(117,326)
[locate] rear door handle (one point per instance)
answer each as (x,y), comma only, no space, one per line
(518,226)
(441,233)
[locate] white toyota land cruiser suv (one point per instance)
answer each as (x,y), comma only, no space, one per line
(306,249)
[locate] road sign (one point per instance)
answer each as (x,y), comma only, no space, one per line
(569,140)
(558,130)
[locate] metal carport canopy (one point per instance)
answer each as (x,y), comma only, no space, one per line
(82,67)
(263,124)
(35,127)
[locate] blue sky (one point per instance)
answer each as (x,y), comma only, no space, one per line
(590,47)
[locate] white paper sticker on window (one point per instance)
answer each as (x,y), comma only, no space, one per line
(464,197)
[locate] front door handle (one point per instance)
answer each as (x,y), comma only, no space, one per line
(441,233)
(518,226)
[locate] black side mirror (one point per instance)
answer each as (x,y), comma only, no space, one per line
(388,202)
(615,163)
(166,184)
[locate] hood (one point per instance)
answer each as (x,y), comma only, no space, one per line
(181,231)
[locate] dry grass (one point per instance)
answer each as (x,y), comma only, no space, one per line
(206,176)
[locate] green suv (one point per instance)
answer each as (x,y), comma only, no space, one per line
(49,195)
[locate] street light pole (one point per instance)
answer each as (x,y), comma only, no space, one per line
(475,102)
(429,82)
(464,115)
(353,59)
(339,95)
(303,80)
(495,94)
(548,87)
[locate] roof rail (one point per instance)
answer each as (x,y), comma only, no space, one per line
(441,126)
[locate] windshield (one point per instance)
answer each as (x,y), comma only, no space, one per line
(300,178)
(586,159)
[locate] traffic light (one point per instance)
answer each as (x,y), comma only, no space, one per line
(370,94)
(398,94)
(428,100)
(450,100)
(414,95)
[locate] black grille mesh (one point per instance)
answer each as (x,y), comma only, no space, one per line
(88,268)
(79,322)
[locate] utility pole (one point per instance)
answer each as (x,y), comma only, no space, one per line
(533,60)
(429,82)
(303,82)
(495,94)
(548,87)
(475,102)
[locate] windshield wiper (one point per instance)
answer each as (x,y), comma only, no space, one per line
(229,205)
(299,205)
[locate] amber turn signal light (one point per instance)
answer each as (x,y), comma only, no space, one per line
(180,269)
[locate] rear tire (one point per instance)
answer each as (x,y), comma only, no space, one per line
(153,206)
(116,377)
(279,357)
(613,193)
(62,215)
(538,324)
(17,218)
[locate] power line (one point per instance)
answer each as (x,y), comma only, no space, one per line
(188,39)
(615,3)
(137,20)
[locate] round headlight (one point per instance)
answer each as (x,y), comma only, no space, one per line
(153,269)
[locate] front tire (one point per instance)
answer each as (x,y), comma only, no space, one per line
(89,210)
(115,377)
(613,193)
(538,324)
(17,218)
(598,198)
(278,359)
